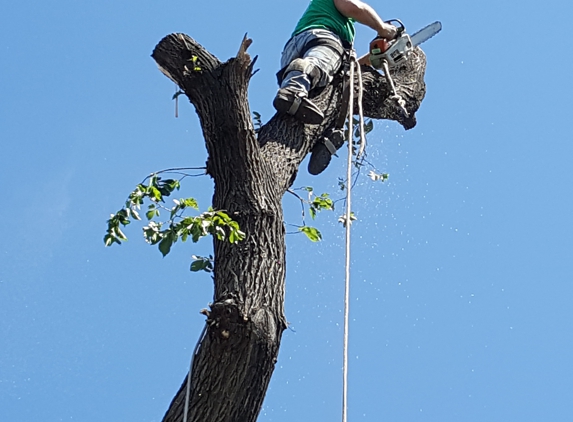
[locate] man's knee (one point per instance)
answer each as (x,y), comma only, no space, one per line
(328,64)
(307,67)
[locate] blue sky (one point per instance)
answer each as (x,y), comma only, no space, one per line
(461,262)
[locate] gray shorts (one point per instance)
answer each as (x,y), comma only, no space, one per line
(325,58)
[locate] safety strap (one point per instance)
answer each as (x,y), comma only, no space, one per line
(345,97)
(345,94)
(295,105)
(327,42)
(329,146)
(333,138)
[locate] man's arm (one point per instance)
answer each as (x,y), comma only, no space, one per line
(366,15)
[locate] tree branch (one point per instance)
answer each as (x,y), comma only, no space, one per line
(219,92)
(409,80)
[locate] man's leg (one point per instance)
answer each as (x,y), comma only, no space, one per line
(292,96)
(305,69)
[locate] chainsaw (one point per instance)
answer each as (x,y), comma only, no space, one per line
(389,54)
(397,50)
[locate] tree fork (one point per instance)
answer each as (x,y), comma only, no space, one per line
(236,358)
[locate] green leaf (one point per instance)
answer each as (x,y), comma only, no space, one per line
(166,187)
(312,211)
(233,225)
(224,217)
(323,202)
(202,263)
(119,234)
(319,203)
(108,240)
(122,217)
(196,231)
(154,194)
(219,232)
(194,60)
(197,266)
(165,244)
(135,215)
(191,203)
(312,233)
(236,236)
(151,232)
(368,126)
(176,208)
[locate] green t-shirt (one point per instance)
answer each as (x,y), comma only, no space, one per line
(323,14)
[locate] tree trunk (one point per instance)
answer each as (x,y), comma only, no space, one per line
(235,359)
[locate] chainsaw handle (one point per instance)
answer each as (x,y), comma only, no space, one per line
(400,28)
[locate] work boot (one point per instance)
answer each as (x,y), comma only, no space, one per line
(324,150)
(298,105)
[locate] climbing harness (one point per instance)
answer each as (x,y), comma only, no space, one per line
(333,138)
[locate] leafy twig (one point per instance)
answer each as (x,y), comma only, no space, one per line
(211,222)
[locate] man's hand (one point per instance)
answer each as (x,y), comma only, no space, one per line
(388,32)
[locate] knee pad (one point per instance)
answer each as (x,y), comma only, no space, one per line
(307,67)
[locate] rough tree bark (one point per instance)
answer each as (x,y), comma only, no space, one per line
(236,358)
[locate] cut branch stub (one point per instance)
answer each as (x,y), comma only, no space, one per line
(409,81)
(177,54)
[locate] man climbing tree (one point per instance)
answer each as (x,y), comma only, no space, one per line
(322,39)
(315,51)
(252,170)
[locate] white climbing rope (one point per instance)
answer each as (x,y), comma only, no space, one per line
(347,265)
(353,63)
(360,113)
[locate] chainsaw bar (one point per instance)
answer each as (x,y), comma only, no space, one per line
(426,33)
